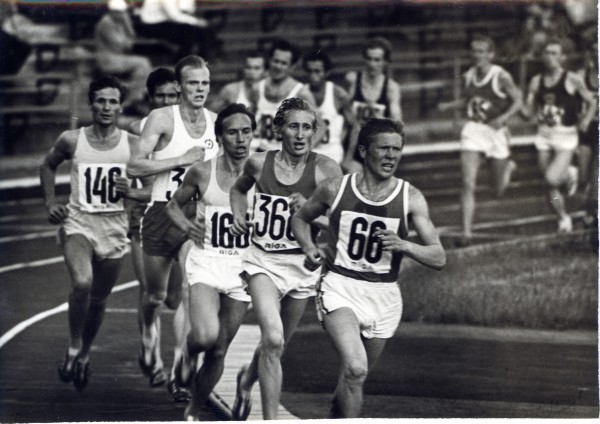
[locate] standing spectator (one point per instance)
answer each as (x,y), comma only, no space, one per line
(555,95)
(174,20)
(114,38)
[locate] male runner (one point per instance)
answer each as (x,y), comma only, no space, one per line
(173,138)
(276,87)
(587,151)
(273,265)
(556,94)
(491,98)
(162,91)
(93,231)
(218,301)
(373,92)
(246,90)
(359,297)
(333,106)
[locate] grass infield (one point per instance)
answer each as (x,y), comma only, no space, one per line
(543,282)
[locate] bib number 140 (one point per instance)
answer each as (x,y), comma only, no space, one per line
(101,185)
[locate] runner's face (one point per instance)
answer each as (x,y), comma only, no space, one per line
(194,86)
(375,60)
(165,95)
(382,157)
(316,72)
(553,56)
(481,53)
(106,106)
(237,135)
(297,132)
(254,70)
(280,64)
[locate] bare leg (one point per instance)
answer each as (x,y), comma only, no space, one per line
(106,273)
(470,162)
(78,258)
(215,320)
(555,175)
(502,170)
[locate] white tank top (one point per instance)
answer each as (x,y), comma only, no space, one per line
(166,183)
(241,97)
(264,137)
(331,144)
(214,210)
(93,175)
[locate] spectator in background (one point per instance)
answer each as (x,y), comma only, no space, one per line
(174,20)
(114,38)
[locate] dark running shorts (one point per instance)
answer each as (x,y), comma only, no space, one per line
(136,212)
(160,237)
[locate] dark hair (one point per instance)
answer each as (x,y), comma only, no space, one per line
(193,61)
(375,126)
(232,109)
(379,43)
(318,56)
(279,44)
(157,78)
(106,81)
(255,54)
(481,38)
(290,105)
(558,42)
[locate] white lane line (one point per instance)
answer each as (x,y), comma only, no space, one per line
(20,217)
(31,236)
(10,334)
(32,264)
(30,182)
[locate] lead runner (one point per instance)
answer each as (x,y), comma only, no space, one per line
(273,265)
(359,298)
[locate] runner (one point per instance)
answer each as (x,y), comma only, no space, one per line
(218,301)
(556,96)
(373,92)
(93,232)
(246,90)
(276,87)
(359,300)
(273,265)
(162,91)
(333,106)
(173,138)
(491,98)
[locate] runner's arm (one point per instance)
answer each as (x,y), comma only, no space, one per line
(238,194)
(184,193)
(159,123)
(63,150)
(314,208)
(395,101)
(527,109)
(430,253)
(590,106)
(508,86)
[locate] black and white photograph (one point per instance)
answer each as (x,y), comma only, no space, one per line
(231,210)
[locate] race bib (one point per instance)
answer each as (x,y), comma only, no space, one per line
(174,181)
(357,248)
(218,240)
(97,187)
(478,109)
(265,128)
(364,111)
(272,229)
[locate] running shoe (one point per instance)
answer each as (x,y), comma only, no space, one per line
(81,374)
(178,393)
(565,224)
